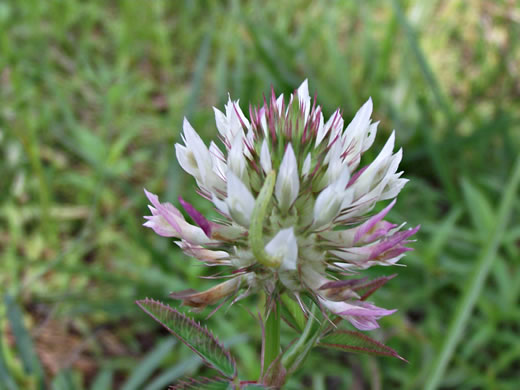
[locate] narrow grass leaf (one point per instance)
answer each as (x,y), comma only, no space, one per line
(475,284)
(352,341)
(148,365)
(179,370)
(24,345)
(198,74)
(199,339)
(103,380)
(479,209)
(423,63)
(266,50)
(5,377)
(63,381)
(435,152)
(441,237)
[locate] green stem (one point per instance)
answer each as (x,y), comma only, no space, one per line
(272,336)
(299,351)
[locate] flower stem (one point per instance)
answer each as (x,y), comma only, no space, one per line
(299,351)
(272,336)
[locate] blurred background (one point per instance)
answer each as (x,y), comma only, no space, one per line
(92,96)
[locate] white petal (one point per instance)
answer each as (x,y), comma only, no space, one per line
(327,206)
(332,200)
(306,165)
(221,122)
(324,130)
(187,161)
(265,158)
(218,161)
(239,200)
(236,159)
(313,277)
(220,204)
(335,152)
(371,136)
(304,98)
(235,119)
(240,115)
(360,122)
(233,128)
(359,134)
(285,247)
(338,170)
(287,184)
(279,104)
(200,152)
(367,179)
(263,122)
(336,129)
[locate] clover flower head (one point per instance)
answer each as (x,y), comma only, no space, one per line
(295,206)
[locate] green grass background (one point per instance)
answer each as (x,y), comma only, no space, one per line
(92,96)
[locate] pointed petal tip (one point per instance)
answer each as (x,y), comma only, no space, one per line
(154,199)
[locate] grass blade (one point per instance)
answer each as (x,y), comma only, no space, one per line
(181,369)
(436,154)
(198,75)
(481,212)
(5,378)
(476,283)
(103,380)
(24,345)
(425,67)
(149,365)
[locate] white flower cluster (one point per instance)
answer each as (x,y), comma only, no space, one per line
(318,187)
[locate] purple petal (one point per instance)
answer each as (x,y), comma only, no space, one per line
(380,230)
(363,312)
(371,223)
(164,210)
(199,219)
(364,323)
(365,317)
(392,241)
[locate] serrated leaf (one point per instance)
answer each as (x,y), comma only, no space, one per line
(199,339)
(201,384)
(351,341)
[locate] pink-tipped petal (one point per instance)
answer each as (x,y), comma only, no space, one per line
(371,223)
(391,242)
